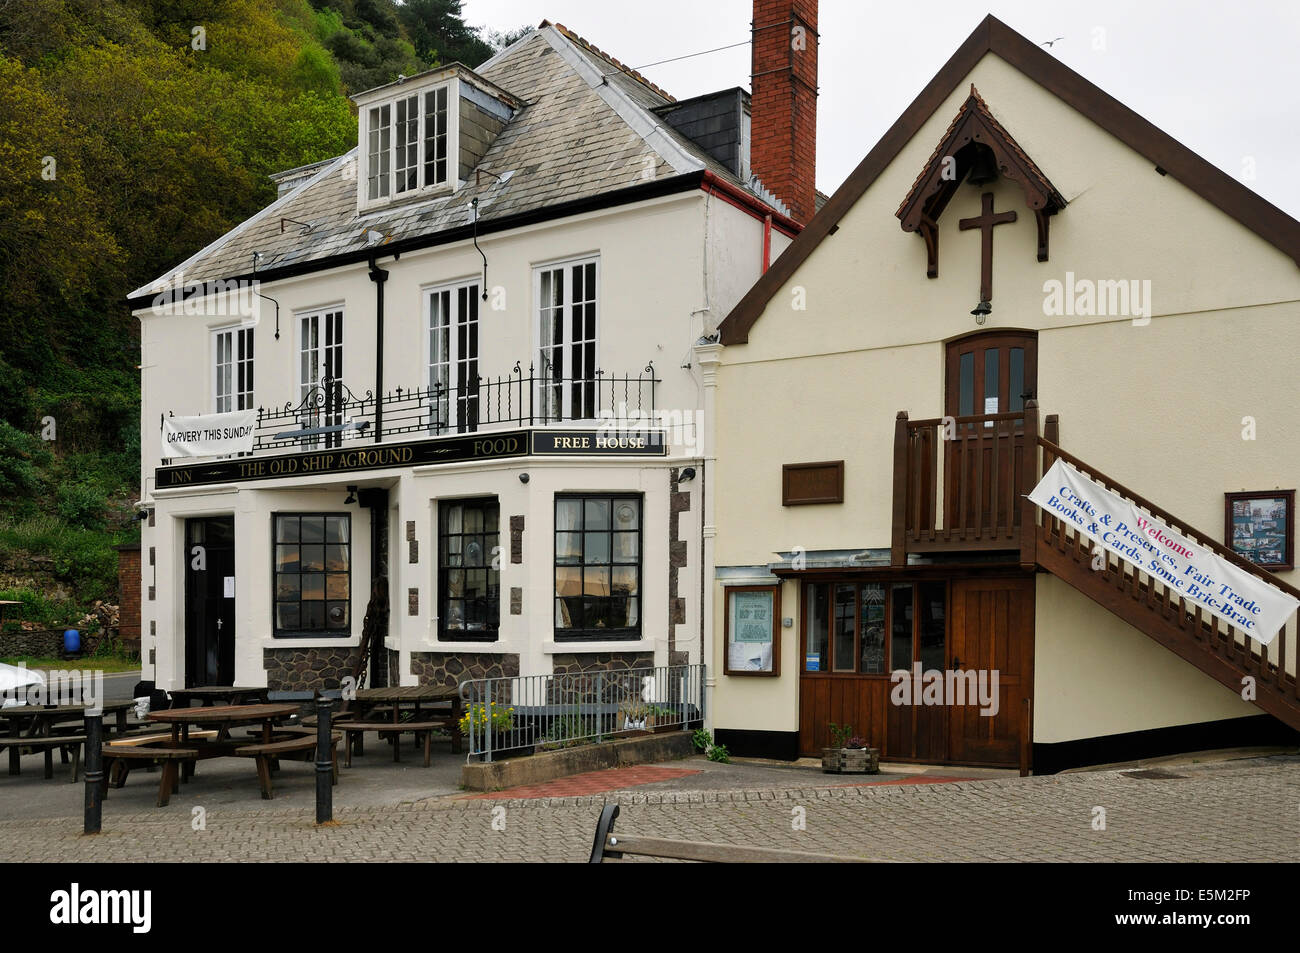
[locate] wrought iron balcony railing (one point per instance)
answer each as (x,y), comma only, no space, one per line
(330,413)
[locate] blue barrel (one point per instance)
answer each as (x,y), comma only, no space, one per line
(71,641)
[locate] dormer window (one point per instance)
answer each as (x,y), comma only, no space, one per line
(423,135)
(407,141)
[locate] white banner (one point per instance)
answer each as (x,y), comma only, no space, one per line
(1202,577)
(212,435)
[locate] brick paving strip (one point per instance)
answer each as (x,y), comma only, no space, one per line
(591,782)
(621,779)
(1239,811)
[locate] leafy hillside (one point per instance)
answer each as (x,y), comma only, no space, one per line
(132,133)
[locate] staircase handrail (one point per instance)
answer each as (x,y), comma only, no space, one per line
(1202,538)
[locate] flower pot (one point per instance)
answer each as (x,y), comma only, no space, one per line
(851,760)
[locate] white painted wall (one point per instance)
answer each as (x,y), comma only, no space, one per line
(656,299)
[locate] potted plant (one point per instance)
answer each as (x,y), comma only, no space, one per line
(643,716)
(849,754)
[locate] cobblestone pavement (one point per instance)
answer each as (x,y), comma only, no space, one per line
(1244,810)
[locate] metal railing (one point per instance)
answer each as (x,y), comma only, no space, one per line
(329,413)
(547,712)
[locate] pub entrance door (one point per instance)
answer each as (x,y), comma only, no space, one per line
(209,601)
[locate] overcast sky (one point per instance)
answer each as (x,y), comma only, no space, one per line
(1221,76)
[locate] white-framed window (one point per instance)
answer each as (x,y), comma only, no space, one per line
(452,322)
(232,350)
(568,297)
(320,370)
(408,143)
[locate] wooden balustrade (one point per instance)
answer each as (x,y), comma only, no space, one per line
(961,484)
(988,462)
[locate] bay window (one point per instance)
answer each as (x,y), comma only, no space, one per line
(469,575)
(597,567)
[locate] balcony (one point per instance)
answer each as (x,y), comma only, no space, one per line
(330,414)
(961,483)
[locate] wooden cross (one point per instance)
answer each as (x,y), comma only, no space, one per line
(985,224)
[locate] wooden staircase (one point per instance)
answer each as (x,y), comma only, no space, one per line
(1217,648)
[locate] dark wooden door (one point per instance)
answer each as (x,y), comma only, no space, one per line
(992,630)
(993,373)
(209,601)
(917,731)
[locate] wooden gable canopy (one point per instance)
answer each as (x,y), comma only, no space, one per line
(974,140)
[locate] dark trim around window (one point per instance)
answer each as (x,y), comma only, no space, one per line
(595,617)
(475,554)
(330,560)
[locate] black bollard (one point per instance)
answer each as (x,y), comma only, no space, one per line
(324,763)
(94,772)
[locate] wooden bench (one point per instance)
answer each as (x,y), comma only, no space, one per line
(49,744)
(423,731)
(118,758)
(607,844)
(266,754)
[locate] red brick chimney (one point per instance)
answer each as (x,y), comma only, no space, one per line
(783,107)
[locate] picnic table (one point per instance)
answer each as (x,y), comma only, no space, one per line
(218,695)
(184,749)
(222,717)
(34,726)
(402,705)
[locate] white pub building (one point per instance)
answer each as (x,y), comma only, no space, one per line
(449,378)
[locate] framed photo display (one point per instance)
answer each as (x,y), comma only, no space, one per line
(753,630)
(1261,527)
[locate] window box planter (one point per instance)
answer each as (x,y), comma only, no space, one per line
(851,760)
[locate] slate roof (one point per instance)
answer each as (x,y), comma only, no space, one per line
(586,130)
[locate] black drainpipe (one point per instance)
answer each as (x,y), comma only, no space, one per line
(379,276)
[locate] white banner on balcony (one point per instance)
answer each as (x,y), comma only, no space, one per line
(1201,576)
(212,435)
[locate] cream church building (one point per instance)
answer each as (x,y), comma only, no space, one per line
(1021,271)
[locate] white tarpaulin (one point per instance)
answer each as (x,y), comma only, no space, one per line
(212,435)
(1202,577)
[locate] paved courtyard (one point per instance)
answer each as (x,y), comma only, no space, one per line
(1235,810)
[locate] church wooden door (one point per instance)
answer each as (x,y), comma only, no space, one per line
(991,373)
(992,631)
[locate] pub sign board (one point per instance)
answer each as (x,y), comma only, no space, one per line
(456,449)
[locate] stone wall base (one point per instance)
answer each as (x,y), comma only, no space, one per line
(298,670)
(451,668)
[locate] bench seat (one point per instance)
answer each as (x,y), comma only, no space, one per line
(268,753)
(423,731)
(118,758)
(49,744)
